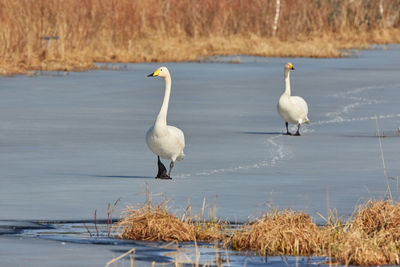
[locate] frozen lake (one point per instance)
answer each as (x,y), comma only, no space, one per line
(71,144)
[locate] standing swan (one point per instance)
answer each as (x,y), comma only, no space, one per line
(293,109)
(164,140)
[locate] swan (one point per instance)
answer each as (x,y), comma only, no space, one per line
(293,109)
(164,140)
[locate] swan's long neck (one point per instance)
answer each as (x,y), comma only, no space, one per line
(162,116)
(287,82)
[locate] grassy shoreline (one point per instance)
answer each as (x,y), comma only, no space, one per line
(370,237)
(73,35)
(195,50)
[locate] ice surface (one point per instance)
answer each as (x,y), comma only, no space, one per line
(70,144)
(16,251)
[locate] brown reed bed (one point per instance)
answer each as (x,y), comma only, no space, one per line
(373,238)
(154,223)
(279,233)
(370,237)
(72,35)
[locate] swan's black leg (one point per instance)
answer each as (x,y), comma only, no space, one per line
(298,130)
(162,171)
(287,129)
(171,165)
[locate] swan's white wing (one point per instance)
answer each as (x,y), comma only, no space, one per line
(180,139)
(178,134)
(301,108)
(300,103)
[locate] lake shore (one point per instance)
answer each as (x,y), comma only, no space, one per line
(198,50)
(54,35)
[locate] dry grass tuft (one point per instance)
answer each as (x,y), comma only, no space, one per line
(357,248)
(378,216)
(373,238)
(279,233)
(154,223)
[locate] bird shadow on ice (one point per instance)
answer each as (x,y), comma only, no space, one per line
(124,176)
(107,176)
(262,133)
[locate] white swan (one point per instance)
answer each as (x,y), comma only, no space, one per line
(293,109)
(164,140)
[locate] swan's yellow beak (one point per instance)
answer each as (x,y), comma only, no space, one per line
(291,67)
(154,74)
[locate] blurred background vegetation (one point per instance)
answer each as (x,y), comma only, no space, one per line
(73,34)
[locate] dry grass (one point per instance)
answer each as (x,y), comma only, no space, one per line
(373,238)
(379,216)
(154,223)
(370,237)
(176,30)
(279,233)
(130,253)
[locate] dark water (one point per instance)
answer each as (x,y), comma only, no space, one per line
(76,234)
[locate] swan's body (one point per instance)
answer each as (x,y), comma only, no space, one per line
(293,109)
(167,142)
(164,140)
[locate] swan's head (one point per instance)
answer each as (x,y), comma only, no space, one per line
(289,66)
(161,72)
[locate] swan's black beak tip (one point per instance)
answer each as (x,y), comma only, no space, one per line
(150,75)
(293,68)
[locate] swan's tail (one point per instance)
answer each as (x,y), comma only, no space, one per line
(306,120)
(181,156)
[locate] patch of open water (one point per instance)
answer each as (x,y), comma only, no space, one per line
(158,253)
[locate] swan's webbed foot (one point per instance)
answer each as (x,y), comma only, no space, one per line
(298,131)
(287,129)
(171,165)
(162,171)
(166,177)
(163,176)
